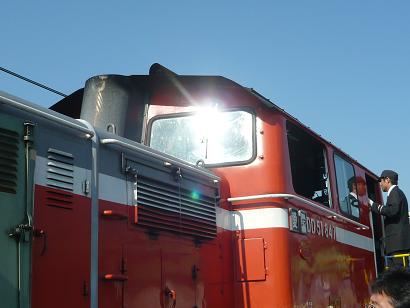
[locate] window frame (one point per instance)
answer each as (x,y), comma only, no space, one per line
(347,214)
(326,164)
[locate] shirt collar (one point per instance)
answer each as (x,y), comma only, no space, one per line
(390,189)
(353,194)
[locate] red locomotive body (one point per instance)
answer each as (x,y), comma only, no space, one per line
(181,191)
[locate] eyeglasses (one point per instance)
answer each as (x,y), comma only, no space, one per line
(371,305)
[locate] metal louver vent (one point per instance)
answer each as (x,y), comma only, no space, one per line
(59,199)
(9,145)
(60,169)
(164,207)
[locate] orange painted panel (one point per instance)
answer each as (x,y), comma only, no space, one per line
(250,259)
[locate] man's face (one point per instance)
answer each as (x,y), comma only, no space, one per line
(381,300)
(385,184)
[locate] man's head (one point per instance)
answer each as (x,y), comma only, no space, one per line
(351,184)
(391,289)
(387,179)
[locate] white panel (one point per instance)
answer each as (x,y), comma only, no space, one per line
(112,189)
(252,219)
(261,219)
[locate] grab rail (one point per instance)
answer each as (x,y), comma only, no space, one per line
(333,215)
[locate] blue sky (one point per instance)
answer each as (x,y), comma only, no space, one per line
(341,67)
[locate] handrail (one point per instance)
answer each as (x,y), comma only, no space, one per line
(35,110)
(158,156)
(291,196)
(94,219)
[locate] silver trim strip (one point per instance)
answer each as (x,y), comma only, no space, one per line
(290,196)
(44,114)
(353,239)
(259,219)
(112,141)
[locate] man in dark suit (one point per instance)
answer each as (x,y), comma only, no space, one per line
(397,228)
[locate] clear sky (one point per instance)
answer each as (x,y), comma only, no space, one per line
(341,67)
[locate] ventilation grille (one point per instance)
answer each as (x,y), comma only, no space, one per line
(59,199)
(9,146)
(164,207)
(60,170)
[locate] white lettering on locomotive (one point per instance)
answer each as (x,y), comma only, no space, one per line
(318,227)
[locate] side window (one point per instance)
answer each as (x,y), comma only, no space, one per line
(308,164)
(346,187)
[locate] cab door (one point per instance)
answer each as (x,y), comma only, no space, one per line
(14,218)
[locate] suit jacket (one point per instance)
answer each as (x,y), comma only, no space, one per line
(397,228)
(354,205)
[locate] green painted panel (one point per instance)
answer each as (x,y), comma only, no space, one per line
(13,213)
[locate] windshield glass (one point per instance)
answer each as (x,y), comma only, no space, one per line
(208,135)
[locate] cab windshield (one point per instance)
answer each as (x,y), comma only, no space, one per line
(206,137)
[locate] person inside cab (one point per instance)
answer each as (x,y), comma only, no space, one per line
(357,187)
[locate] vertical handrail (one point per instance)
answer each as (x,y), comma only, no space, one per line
(94,217)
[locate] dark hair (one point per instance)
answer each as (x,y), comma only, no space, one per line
(395,283)
(392,181)
(350,183)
